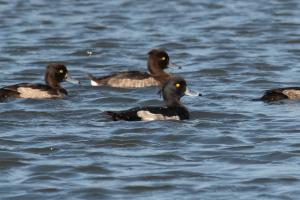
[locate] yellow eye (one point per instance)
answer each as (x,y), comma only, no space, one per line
(61,71)
(163,58)
(177,85)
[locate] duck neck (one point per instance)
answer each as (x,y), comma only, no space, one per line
(173,102)
(157,71)
(51,81)
(161,77)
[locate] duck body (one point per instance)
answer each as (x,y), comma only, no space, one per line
(33,91)
(292,93)
(130,79)
(158,60)
(151,113)
(172,91)
(55,74)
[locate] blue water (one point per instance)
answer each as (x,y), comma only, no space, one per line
(231,147)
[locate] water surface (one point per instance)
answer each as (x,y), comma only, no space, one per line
(231,147)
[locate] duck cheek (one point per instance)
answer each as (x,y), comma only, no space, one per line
(163,64)
(59,77)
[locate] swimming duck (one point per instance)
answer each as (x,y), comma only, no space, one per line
(171,91)
(158,61)
(55,74)
(277,94)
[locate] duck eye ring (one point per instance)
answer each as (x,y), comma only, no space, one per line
(177,85)
(61,71)
(163,58)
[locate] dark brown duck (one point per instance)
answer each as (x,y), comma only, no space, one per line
(158,61)
(55,74)
(278,94)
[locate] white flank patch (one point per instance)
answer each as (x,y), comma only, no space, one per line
(292,94)
(148,116)
(94,83)
(27,92)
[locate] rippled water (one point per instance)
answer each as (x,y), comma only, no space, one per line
(231,147)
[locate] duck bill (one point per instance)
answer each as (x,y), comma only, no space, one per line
(189,92)
(174,65)
(71,80)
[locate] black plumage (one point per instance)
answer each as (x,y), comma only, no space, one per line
(172,91)
(278,94)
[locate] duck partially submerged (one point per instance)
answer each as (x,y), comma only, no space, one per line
(292,93)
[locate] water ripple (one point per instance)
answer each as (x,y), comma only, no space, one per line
(232,147)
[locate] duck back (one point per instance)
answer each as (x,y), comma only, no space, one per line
(130,79)
(278,94)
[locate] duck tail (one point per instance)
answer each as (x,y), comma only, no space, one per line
(91,77)
(94,81)
(5,94)
(97,81)
(114,115)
